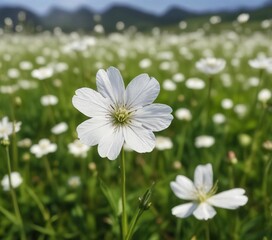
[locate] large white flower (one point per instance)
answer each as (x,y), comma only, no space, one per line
(119,115)
(202,194)
(7,128)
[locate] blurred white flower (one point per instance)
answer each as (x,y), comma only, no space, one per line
(264,95)
(182,25)
(78,149)
(26,84)
(195,83)
(16,181)
(243,18)
(169,85)
(215,19)
(178,77)
(227,103)
(13,73)
(24,143)
(49,100)
(59,128)
(7,128)
(203,195)
(119,115)
(183,114)
(74,182)
(120,26)
(240,110)
(253,81)
(210,65)
(9,89)
(145,63)
(43,148)
(25,65)
(219,118)
(261,62)
(42,73)
(204,141)
(163,143)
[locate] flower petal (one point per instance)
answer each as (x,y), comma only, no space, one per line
(139,138)
(184,210)
(90,102)
(141,91)
(204,211)
(203,177)
(92,130)
(155,117)
(111,85)
(230,199)
(111,143)
(184,188)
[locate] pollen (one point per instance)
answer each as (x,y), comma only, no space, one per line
(121,115)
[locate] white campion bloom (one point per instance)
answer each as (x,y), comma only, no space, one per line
(7,128)
(264,95)
(261,62)
(178,77)
(42,73)
(145,63)
(119,115)
(169,85)
(204,141)
(215,19)
(25,65)
(243,18)
(24,143)
(74,182)
(227,103)
(195,83)
(78,149)
(59,128)
(183,114)
(47,100)
(210,65)
(240,109)
(43,148)
(202,195)
(163,143)
(16,181)
(219,118)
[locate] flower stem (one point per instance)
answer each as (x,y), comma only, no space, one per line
(133,224)
(207,231)
(123,190)
(14,198)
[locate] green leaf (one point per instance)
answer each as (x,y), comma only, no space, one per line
(12,217)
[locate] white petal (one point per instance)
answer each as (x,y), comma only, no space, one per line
(111,143)
(91,131)
(111,85)
(204,211)
(230,199)
(142,91)
(184,210)
(155,117)
(90,102)
(184,188)
(203,177)
(139,138)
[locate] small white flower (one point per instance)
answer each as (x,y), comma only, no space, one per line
(42,73)
(183,114)
(49,100)
(219,118)
(13,73)
(169,85)
(243,17)
(178,77)
(78,149)
(210,65)
(195,83)
(201,192)
(215,19)
(253,81)
(261,62)
(145,63)
(74,182)
(163,143)
(43,148)
(240,110)
(204,141)
(59,128)
(24,143)
(119,115)
(7,128)
(227,103)
(16,181)
(264,95)
(25,65)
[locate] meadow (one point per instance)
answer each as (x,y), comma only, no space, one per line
(70,192)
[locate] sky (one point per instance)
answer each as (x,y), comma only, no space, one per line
(153,6)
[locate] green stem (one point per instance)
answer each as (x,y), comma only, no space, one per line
(264,188)
(133,223)
(48,169)
(123,190)
(14,198)
(178,229)
(207,231)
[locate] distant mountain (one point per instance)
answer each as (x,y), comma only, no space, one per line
(83,18)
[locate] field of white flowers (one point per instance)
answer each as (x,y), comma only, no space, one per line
(217,137)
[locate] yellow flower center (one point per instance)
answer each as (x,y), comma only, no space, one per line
(121,115)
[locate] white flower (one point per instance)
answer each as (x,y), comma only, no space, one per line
(42,73)
(59,128)
(24,143)
(243,17)
(145,63)
(78,149)
(178,77)
(240,109)
(169,85)
(7,128)
(219,118)
(210,65)
(264,95)
(16,181)
(261,62)
(43,148)
(204,141)
(49,100)
(183,114)
(74,181)
(202,194)
(119,115)
(195,83)
(215,19)
(227,103)
(163,143)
